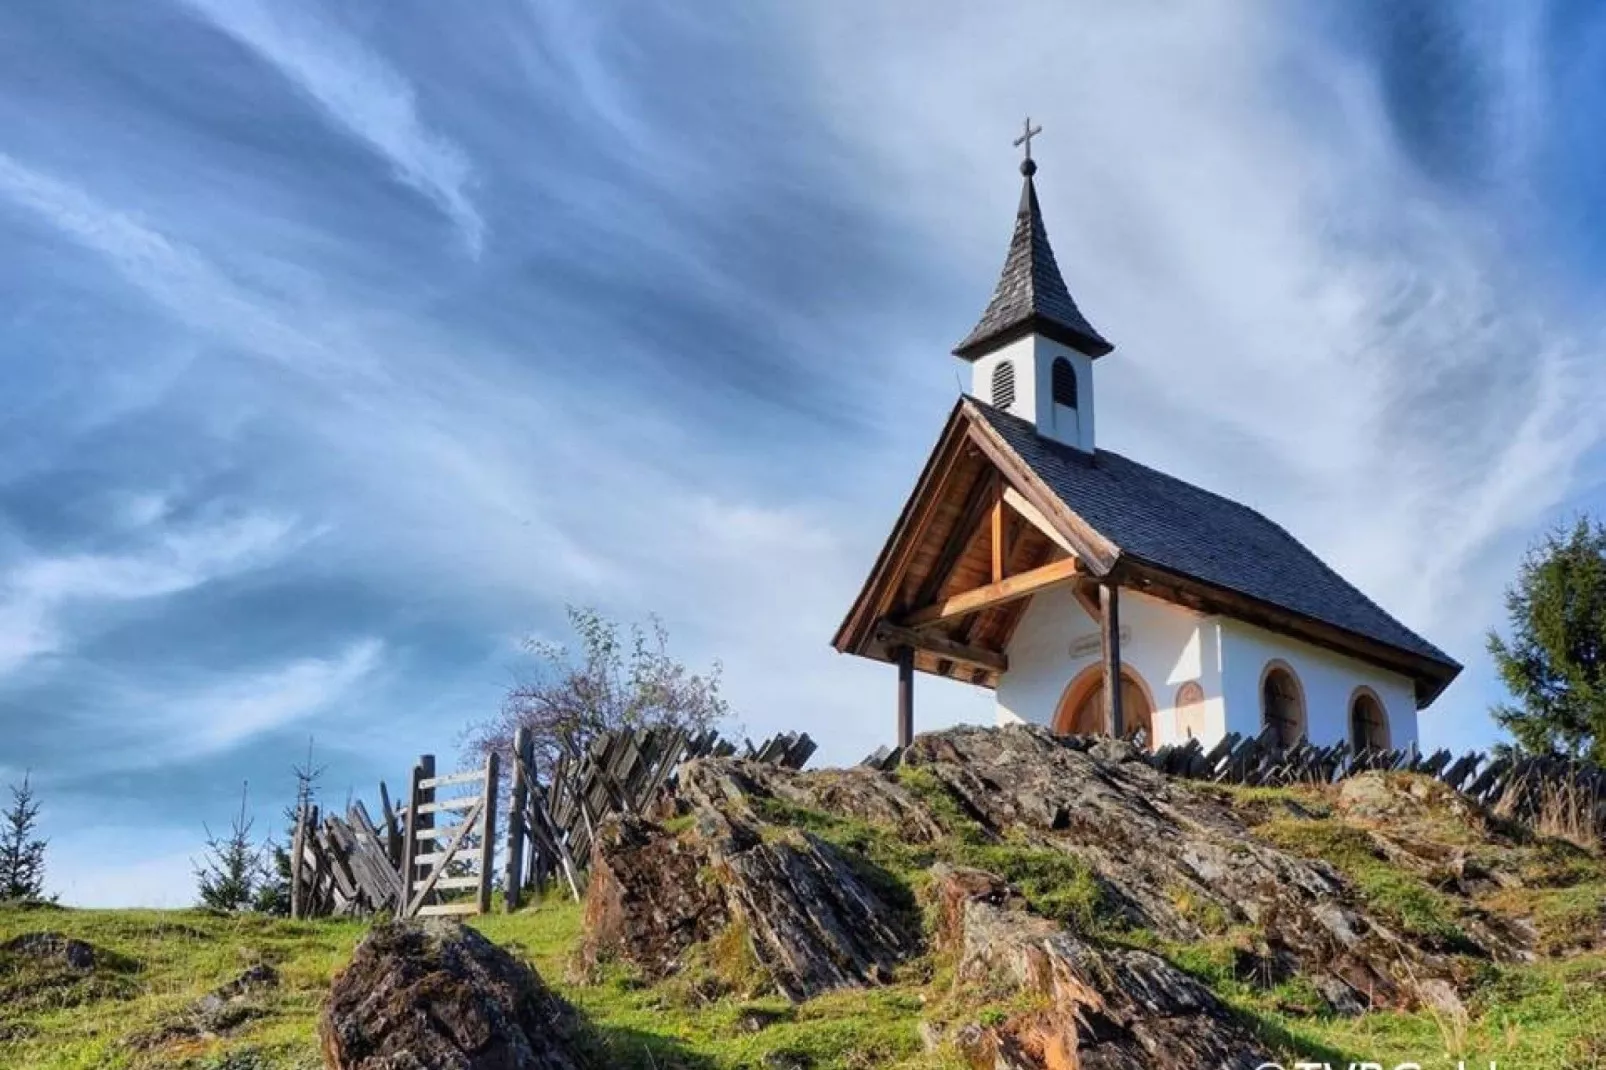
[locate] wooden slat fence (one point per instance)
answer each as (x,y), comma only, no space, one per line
(423,855)
(551,826)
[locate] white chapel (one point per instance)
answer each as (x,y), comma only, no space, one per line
(1094,594)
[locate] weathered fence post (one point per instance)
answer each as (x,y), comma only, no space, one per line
(415,824)
(518,798)
(298,845)
(488,833)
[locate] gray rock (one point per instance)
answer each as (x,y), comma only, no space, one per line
(439,996)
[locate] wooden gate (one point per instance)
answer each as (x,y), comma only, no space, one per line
(441,855)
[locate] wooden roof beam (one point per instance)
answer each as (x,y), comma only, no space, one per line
(973,657)
(1006,590)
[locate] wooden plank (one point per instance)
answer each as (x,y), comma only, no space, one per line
(393,832)
(488,833)
(1030,513)
(379,855)
(473,776)
(410,843)
(906,696)
(448,805)
(439,872)
(962,653)
(959,537)
(513,875)
(458,883)
(296,848)
(1086,543)
(339,867)
(443,832)
(436,910)
(1110,641)
(995,531)
(996,594)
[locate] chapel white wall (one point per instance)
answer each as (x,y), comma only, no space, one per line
(1165,644)
(1168,645)
(1328,680)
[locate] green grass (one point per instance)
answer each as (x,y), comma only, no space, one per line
(713,1015)
(1401,897)
(1549,1014)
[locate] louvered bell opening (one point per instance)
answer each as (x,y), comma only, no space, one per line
(1004,385)
(1064,383)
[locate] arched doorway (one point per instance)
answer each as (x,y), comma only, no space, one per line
(1282,704)
(1081,709)
(1368,721)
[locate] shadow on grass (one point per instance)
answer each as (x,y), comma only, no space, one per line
(633,1049)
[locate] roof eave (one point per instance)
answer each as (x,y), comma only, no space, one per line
(979,345)
(1429,675)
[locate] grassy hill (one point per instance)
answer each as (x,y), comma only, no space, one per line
(1541,1010)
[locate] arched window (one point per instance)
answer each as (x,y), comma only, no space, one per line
(1190,706)
(1368,722)
(1064,382)
(1282,704)
(1004,384)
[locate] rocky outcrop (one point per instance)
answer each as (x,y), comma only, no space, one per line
(1107,1008)
(1178,860)
(439,996)
(1108,855)
(810,917)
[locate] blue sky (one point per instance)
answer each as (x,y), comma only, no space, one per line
(342,345)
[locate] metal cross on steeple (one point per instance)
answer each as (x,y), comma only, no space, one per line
(1028,166)
(1028,131)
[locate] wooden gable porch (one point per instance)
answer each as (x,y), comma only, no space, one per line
(978,538)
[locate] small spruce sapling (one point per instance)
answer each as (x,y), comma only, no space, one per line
(22,852)
(228,876)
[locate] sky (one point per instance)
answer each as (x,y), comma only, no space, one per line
(343,345)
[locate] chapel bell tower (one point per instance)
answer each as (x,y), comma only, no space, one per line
(1032,353)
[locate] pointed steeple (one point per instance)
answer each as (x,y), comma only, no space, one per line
(1031,296)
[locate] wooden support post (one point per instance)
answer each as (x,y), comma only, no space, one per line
(996,533)
(488,833)
(409,871)
(393,832)
(426,795)
(906,696)
(1111,635)
(297,897)
(518,804)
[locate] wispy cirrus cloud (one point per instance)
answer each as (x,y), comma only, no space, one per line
(242,706)
(358,91)
(39,592)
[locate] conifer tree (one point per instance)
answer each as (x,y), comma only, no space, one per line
(22,853)
(273,895)
(1554,661)
(230,873)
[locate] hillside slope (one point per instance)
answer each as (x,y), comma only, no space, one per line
(1000,893)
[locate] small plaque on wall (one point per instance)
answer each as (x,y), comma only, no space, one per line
(1088,645)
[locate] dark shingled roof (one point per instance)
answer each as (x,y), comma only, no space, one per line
(1182,529)
(1031,295)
